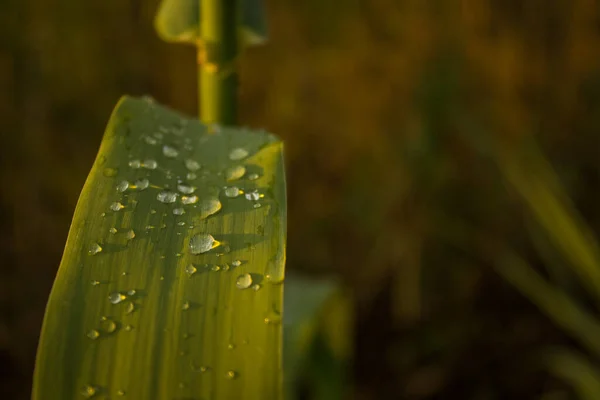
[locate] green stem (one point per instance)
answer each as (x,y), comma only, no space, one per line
(217,77)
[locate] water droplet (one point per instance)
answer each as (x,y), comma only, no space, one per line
(209,207)
(116,297)
(185,306)
(170,151)
(191,176)
(231,375)
(257,205)
(232,191)
(253,177)
(142,184)
(181,223)
(273,318)
(185,189)
(192,165)
(256,287)
(150,164)
(189,199)
(166,196)
(190,270)
(202,242)
(243,281)
(128,328)
(113,230)
(178,211)
(93,334)
(95,248)
(253,195)
(135,164)
(130,307)
(110,172)
(150,140)
(120,393)
(236,263)
(122,186)
(109,325)
(116,206)
(153,211)
(130,234)
(95,283)
(131,292)
(231,346)
(235,172)
(88,391)
(238,154)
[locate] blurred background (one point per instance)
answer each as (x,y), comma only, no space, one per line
(443,163)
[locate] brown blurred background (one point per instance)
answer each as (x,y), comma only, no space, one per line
(392,111)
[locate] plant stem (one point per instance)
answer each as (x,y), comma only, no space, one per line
(217,51)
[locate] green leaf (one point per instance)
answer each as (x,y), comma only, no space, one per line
(145,303)
(577,370)
(179,21)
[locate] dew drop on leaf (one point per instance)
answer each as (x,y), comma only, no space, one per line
(238,153)
(235,172)
(142,184)
(150,164)
(116,206)
(253,177)
(243,281)
(231,375)
(95,248)
(88,391)
(202,242)
(93,334)
(190,270)
(192,165)
(185,188)
(169,151)
(209,207)
(166,196)
(232,191)
(123,186)
(189,199)
(178,211)
(116,297)
(135,164)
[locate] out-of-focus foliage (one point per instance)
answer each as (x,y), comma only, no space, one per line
(388,109)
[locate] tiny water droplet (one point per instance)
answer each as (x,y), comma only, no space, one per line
(116,297)
(153,211)
(238,154)
(135,164)
(273,318)
(121,392)
(215,268)
(113,230)
(110,172)
(93,334)
(150,164)
(253,195)
(142,184)
(95,248)
(231,375)
(185,188)
(130,234)
(243,281)
(189,199)
(209,207)
(88,391)
(192,165)
(236,263)
(169,151)
(116,206)
(235,173)
(109,326)
(257,205)
(181,223)
(178,211)
(191,176)
(128,328)
(123,186)
(190,270)
(253,177)
(185,306)
(131,292)
(130,307)
(202,242)
(231,346)
(232,191)
(95,283)
(166,196)
(150,140)
(256,287)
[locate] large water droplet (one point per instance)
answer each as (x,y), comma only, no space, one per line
(166,196)
(202,242)
(116,297)
(170,151)
(150,164)
(88,391)
(142,184)
(238,154)
(243,281)
(189,199)
(95,248)
(253,195)
(192,165)
(235,172)
(178,211)
(209,207)
(116,206)
(122,186)
(232,191)
(185,188)
(135,164)
(93,334)
(190,270)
